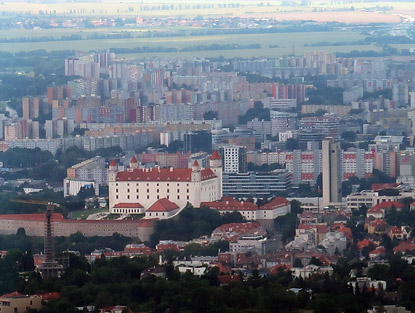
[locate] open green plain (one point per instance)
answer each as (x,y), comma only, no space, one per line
(286,43)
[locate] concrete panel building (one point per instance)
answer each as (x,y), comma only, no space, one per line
(332,171)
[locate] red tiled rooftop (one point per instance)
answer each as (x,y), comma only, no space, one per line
(113,163)
(215,155)
(163,205)
(306,226)
(227,279)
(307,215)
(381,186)
(128,206)
(279,267)
(375,210)
(162,174)
(231,204)
(133,159)
(404,246)
(364,243)
(322,229)
(388,205)
(275,203)
(31,217)
(378,251)
(50,296)
(195,163)
(56,217)
(13,294)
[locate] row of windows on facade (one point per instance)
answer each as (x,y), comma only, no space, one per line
(126,210)
(157,190)
(168,184)
(157,197)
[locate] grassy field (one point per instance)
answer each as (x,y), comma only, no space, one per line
(285,41)
(85,213)
(84,32)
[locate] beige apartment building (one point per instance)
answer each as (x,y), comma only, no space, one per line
(17,303)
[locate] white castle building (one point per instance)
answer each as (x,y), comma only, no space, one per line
(135,190)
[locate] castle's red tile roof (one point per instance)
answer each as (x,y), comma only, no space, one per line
(195,163)
(215,155)
(128,206)
(162,174)
(113,163)
(163,205)
(133,159)
(31,217)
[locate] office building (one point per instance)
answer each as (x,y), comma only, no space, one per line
(256,185)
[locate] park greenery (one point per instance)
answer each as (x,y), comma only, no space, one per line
(191,223)
(377,177)
(42,165)
(325,95)
(75,242)
(258,111)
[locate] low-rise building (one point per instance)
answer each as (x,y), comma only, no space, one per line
(310,270)
(255,244)
(276,207)
(18,303)
(162,209)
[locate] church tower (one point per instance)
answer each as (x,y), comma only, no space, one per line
(112,171)
(196,172)
(133,163)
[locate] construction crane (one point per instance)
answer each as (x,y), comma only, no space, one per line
(49,268)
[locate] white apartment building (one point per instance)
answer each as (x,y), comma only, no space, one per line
(371,198)
(135,190)
(234,159)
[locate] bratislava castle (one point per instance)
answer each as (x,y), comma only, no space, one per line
(135,189)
